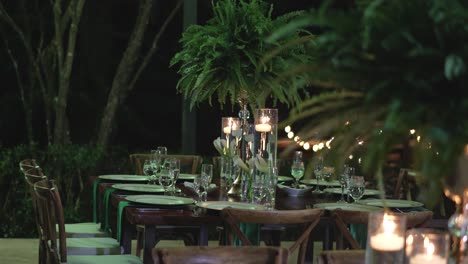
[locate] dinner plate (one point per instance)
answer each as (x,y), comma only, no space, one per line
(186,176)
(220,205)
(321,182)
(150,188)
(295,191)
(367,192)
(284,178)
(160,200)
(391,203)
(124,177)
(347,207)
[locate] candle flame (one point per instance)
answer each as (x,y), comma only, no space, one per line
(430,249)
(409,240)
(265,119)
(388,224)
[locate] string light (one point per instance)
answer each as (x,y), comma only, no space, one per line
(290,134)
(287,129)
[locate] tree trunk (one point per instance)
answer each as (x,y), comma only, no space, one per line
(127,73)
(65,64)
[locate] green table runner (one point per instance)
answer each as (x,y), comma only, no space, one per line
(122,205)
(95,207)
(107,195)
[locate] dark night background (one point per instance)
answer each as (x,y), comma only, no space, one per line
(152,113)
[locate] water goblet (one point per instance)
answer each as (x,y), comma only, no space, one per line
(258,187)
(165,177)
(297,168)
(356,187)
(206,176)
(174,171)
(148,170)
(318,174)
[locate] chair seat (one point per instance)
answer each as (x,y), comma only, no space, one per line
(93,246)
(111,259)
(88,229)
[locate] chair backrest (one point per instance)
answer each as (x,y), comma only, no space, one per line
(343,218)
(50,212)
(307,217)
(342,257)
(215,255)
(402,186)
(188,163)
(28,164)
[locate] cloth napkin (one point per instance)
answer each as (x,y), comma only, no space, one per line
(95,190)
(189,185)
(122,205)
(107,195)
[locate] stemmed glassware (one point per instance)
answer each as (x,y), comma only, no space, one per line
(206,176)
(318,174)
(344,179)
(158,160)
(174,171)
(197,185)
(165,176)
(297,168)
(356,187)
(149,169)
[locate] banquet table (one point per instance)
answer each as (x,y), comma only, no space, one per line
(153,217)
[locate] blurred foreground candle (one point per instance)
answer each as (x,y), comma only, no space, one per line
(385,238)
(427,246)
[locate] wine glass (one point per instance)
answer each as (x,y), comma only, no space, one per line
(356,187)
(174,171)
(148,170)
(258,187)
(165,177)
(297,168)
(206,176)
(318,174)
(197,185)
(327,173)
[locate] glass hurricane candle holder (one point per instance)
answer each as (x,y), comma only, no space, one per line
(230,130)
(424,245)
(385,238)
(266,135)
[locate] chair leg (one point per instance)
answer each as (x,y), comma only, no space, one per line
(139,245)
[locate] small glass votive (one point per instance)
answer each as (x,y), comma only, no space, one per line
(385,238)
(424,245)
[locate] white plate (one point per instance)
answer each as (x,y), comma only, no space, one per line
(160,200)
(295,191)
(391,203)
(220,205)
(186,176)
(367,192)
(347,207)
(284,178)
(124,177)
(139,187)
(321,182)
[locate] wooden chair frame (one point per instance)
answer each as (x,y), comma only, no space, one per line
(343,218)
(308,217)
(223,254)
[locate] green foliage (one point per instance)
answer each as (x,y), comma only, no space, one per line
(224,57)
(406,63)
(69,165)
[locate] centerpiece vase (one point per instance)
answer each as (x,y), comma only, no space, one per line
(243,148)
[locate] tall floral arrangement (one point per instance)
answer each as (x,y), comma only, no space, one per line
(224,57)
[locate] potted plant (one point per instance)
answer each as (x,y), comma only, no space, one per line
(225,57)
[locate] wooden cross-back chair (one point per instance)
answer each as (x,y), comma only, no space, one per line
(28,164)
(188,163)
(215,255)
(343,218)
(405,181)
(59,249)
(84,229)
(308,218)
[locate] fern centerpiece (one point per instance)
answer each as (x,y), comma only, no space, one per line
(223,58)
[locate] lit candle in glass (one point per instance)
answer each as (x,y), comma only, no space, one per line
(387,240)
(426,246)
(264,125)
